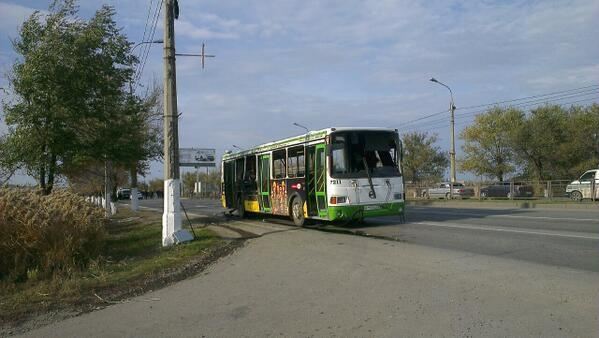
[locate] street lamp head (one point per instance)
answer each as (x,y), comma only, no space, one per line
(158,41)
(433,79)
(303,127)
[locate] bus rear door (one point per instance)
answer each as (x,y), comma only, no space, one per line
(264,183)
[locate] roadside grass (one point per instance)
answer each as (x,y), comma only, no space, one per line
(132,261)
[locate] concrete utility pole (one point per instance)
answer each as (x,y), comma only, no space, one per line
(171,219)
(452,136)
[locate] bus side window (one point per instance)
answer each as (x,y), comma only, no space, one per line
(295,162)
(278,163)
(250,168)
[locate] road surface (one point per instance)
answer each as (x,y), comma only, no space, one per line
(454,272)
(567,238)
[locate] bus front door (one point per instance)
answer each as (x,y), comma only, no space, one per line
(320,180)
(228,185)
(264,183)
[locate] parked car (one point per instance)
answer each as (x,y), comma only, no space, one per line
(503,189)
(583,187)
(441,190)
(123,194)
(140,196)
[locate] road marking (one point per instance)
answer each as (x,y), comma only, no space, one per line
(568,234)
(509,216)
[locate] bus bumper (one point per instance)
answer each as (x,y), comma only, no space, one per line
(349,212)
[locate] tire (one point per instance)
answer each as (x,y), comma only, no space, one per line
(576,196)
(297,212)
(448,196)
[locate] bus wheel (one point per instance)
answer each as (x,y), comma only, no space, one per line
(297,211)
(241,208)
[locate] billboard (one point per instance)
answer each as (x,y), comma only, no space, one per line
(197,157)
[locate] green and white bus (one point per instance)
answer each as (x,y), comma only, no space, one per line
(331,174)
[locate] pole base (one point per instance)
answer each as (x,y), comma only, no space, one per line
(134,199)
(182,236)
(171,218)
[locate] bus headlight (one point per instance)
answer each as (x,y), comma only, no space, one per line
(338,199)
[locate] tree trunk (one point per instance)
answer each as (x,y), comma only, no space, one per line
(134,200)
(107,188)
(42,178)
(51,175)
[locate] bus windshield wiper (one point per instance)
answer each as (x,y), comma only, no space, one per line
(372,193)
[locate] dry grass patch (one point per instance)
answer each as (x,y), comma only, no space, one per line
(131,261)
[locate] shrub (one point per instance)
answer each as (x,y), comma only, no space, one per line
(41,236)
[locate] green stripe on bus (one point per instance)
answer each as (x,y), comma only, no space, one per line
(358,211)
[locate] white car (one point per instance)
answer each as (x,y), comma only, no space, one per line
(585,186)
(139,196)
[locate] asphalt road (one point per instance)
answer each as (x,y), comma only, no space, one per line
(564,238)
(292,282)
(557,237)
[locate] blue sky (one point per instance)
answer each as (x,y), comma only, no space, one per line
(351,63)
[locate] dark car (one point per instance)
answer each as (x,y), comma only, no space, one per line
(123,194)
(503,189)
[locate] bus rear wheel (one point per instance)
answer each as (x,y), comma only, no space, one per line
(297,212)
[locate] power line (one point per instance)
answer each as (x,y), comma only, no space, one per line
(151,38)
(147,47)
(143,38)
(547,95)
(528,97)
(425,117)
(542,100)
(548,99)
(443,124)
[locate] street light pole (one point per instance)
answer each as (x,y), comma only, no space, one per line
(144,43)
(452,136)
(299,125)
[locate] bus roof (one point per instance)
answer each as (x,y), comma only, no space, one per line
(298,139)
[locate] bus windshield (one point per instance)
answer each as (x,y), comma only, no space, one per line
(354,151)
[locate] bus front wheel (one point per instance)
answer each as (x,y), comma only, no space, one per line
(297,211)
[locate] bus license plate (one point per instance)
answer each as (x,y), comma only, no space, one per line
(372,207)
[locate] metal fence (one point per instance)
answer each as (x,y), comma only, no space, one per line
(514,190)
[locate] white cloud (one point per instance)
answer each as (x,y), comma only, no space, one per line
(12,16)
(187,29)
(571,77)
